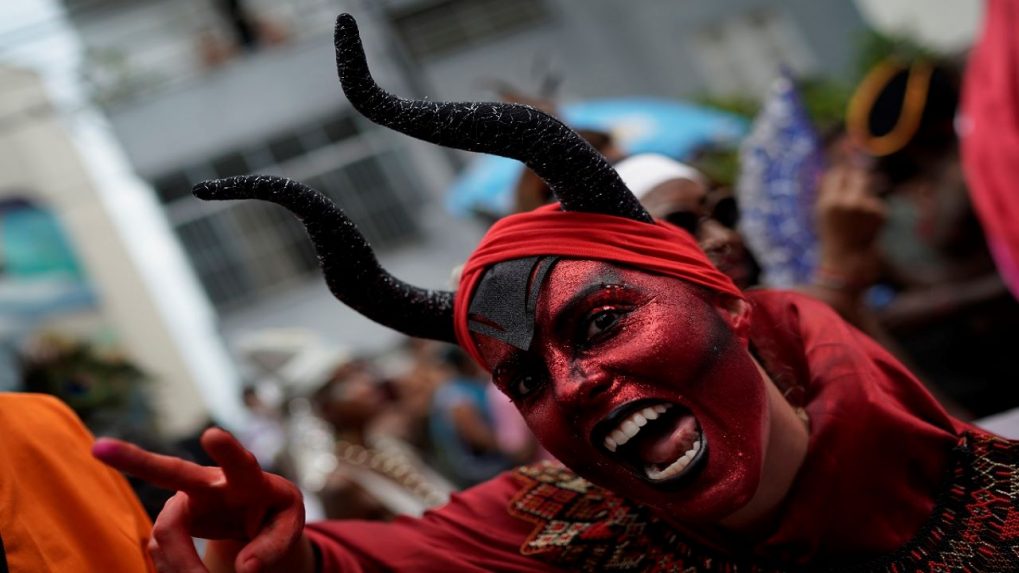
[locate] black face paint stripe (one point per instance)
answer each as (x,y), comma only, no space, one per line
(504,301)
(543,266)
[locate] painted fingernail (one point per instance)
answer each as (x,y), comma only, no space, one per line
(103,448)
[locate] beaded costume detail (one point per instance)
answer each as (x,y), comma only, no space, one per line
(973,528)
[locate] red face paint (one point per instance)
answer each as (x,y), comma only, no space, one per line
(608,338)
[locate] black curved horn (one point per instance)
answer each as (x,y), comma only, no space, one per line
(580,177)
(351,270)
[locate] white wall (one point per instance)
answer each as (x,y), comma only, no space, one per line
(942,24)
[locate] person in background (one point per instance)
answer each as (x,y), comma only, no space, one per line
(462,426)
(682,195)
(263,435)
(515,440)
(379,475)
(937,292)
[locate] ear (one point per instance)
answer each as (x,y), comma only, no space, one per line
(736,312)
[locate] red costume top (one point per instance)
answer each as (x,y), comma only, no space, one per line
(881,452)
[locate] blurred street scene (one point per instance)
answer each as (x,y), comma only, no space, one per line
(155,315)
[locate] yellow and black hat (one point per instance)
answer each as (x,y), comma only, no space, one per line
(902,112)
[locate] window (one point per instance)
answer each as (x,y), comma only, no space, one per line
(232,163)
(246,249)
(436,27)
(339,128)
(286,147)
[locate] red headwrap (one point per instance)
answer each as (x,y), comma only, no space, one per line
(659,248)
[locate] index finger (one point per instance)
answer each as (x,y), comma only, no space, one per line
(239,465)
(163,471)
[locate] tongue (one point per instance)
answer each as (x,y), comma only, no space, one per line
(666,444)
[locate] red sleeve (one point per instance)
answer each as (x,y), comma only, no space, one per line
(474,532)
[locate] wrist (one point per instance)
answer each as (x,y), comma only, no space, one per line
(303,557)
(835,279)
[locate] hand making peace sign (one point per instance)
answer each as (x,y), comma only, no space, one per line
(253,519)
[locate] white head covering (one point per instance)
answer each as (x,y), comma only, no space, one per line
(643,172)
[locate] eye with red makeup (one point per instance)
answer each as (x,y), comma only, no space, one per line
(637,382)
(600,325)
(517,379)
(599,314)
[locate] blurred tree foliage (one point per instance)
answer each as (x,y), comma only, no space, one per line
(105,389)
(876,47)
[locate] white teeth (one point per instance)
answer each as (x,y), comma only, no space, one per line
(631,426)
(676,467)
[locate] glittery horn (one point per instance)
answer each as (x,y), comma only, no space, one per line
(581,178)
(351,270)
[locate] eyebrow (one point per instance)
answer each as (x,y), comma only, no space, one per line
(600,281)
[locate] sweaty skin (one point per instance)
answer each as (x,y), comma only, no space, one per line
(607,336)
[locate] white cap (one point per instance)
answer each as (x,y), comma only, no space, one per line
(642,173)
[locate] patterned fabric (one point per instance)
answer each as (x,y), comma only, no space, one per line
(780,163)
(580,526)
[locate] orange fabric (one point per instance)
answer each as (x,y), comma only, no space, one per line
(60,509)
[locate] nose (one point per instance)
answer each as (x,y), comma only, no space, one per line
(579,384)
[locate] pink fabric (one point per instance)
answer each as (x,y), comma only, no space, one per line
(659,248)
(511,431)
(989,128)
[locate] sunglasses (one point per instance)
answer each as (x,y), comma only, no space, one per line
(723,211)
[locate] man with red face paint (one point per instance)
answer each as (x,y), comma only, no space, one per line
(705,429)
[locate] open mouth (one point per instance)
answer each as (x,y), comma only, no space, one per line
(661,441)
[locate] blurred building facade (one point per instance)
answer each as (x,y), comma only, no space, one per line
(71,267)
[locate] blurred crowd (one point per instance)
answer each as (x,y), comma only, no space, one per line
(402,431)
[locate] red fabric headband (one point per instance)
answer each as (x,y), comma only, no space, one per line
(660,248)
